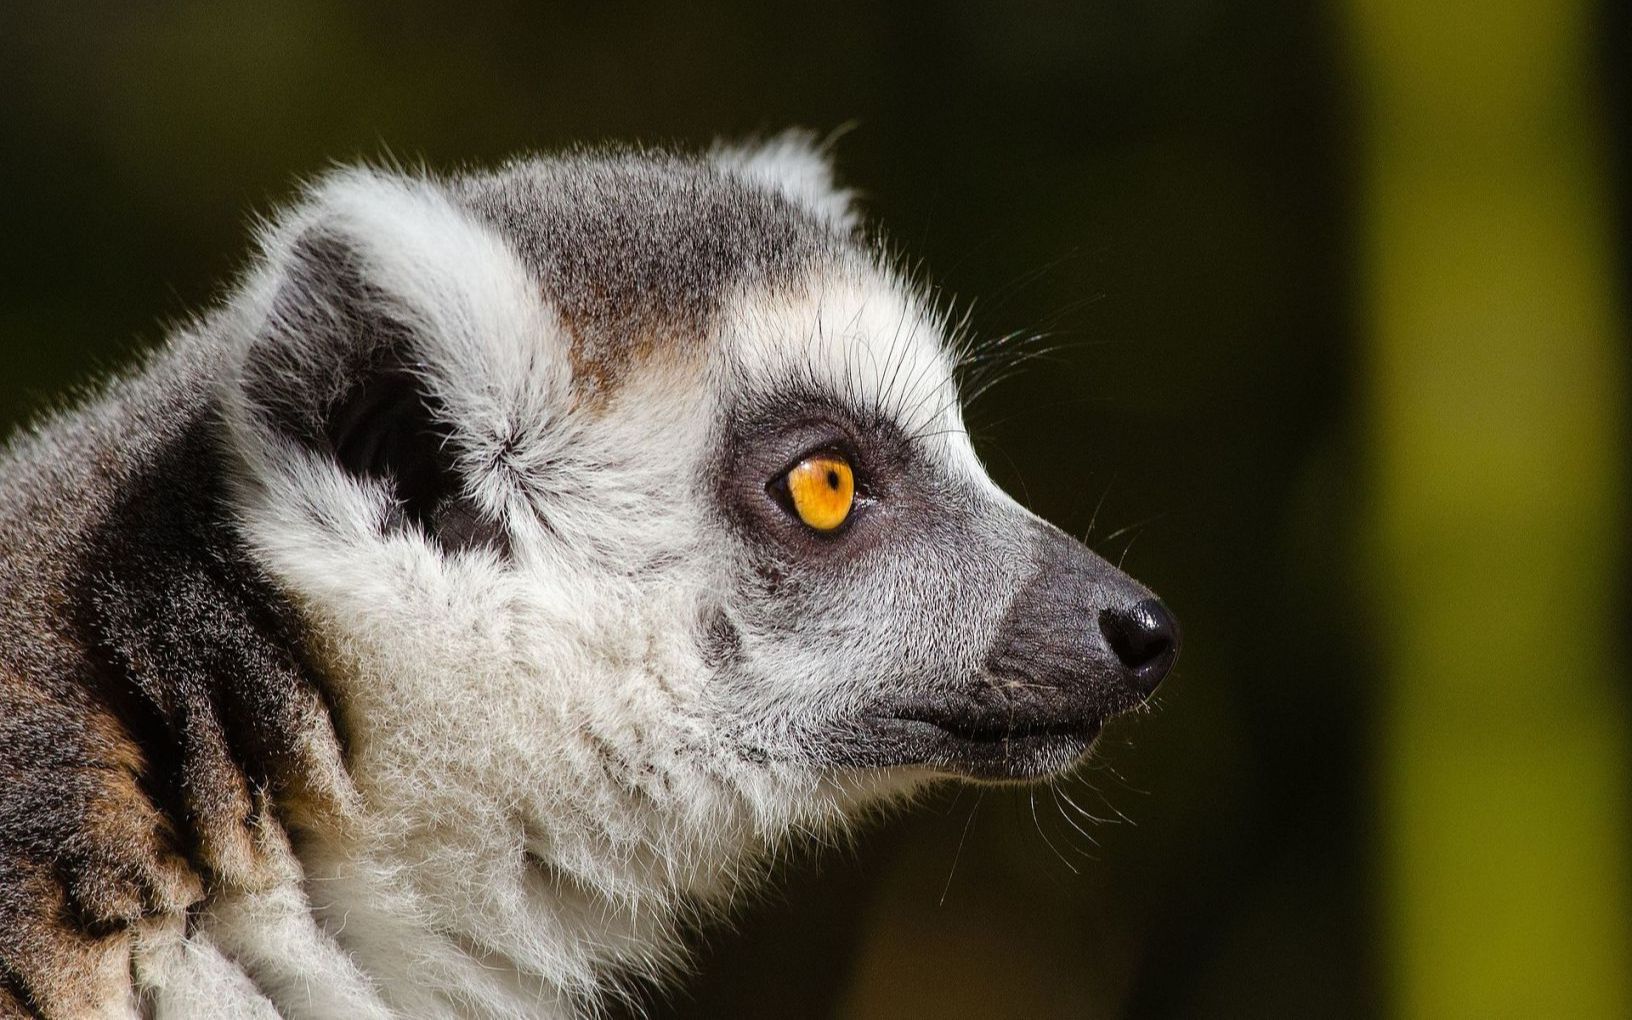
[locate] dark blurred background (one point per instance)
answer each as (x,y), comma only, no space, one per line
(1338,300)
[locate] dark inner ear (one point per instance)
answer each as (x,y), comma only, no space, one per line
(335,369)
(386,426)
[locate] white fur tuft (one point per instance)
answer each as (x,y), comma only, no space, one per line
(795,164)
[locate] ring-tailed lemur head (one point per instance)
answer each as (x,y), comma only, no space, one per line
(628,502)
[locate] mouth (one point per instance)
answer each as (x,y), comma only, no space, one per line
(977,744)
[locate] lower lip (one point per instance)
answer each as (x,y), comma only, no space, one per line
(1015,756)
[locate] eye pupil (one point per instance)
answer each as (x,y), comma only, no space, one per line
(832,479)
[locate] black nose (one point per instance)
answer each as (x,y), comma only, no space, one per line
(1145,638)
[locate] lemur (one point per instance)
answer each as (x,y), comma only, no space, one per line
(494,580)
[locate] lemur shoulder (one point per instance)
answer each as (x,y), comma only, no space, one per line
(504,568)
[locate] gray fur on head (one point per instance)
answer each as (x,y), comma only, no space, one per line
(436,628)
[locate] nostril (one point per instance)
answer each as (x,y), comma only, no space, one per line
(1144,638)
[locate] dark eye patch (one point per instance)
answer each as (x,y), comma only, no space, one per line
(766,438)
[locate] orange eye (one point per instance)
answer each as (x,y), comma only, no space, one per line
(823,489)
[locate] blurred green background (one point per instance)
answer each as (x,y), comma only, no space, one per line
(1341,294)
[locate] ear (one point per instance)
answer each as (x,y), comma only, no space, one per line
(797,165)
(398,342)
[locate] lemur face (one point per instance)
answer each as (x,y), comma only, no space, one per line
(885,605)
(629,505)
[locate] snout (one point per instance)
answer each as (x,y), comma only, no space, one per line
(1080,636)
(1078,643)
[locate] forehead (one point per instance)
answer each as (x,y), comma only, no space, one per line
(857,337)
(638,252)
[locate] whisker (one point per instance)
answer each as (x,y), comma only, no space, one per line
(957,854)
(1135,526)
(1040,832)
(1085,812)
(1053,790)
(1094,517)
(1126,549)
